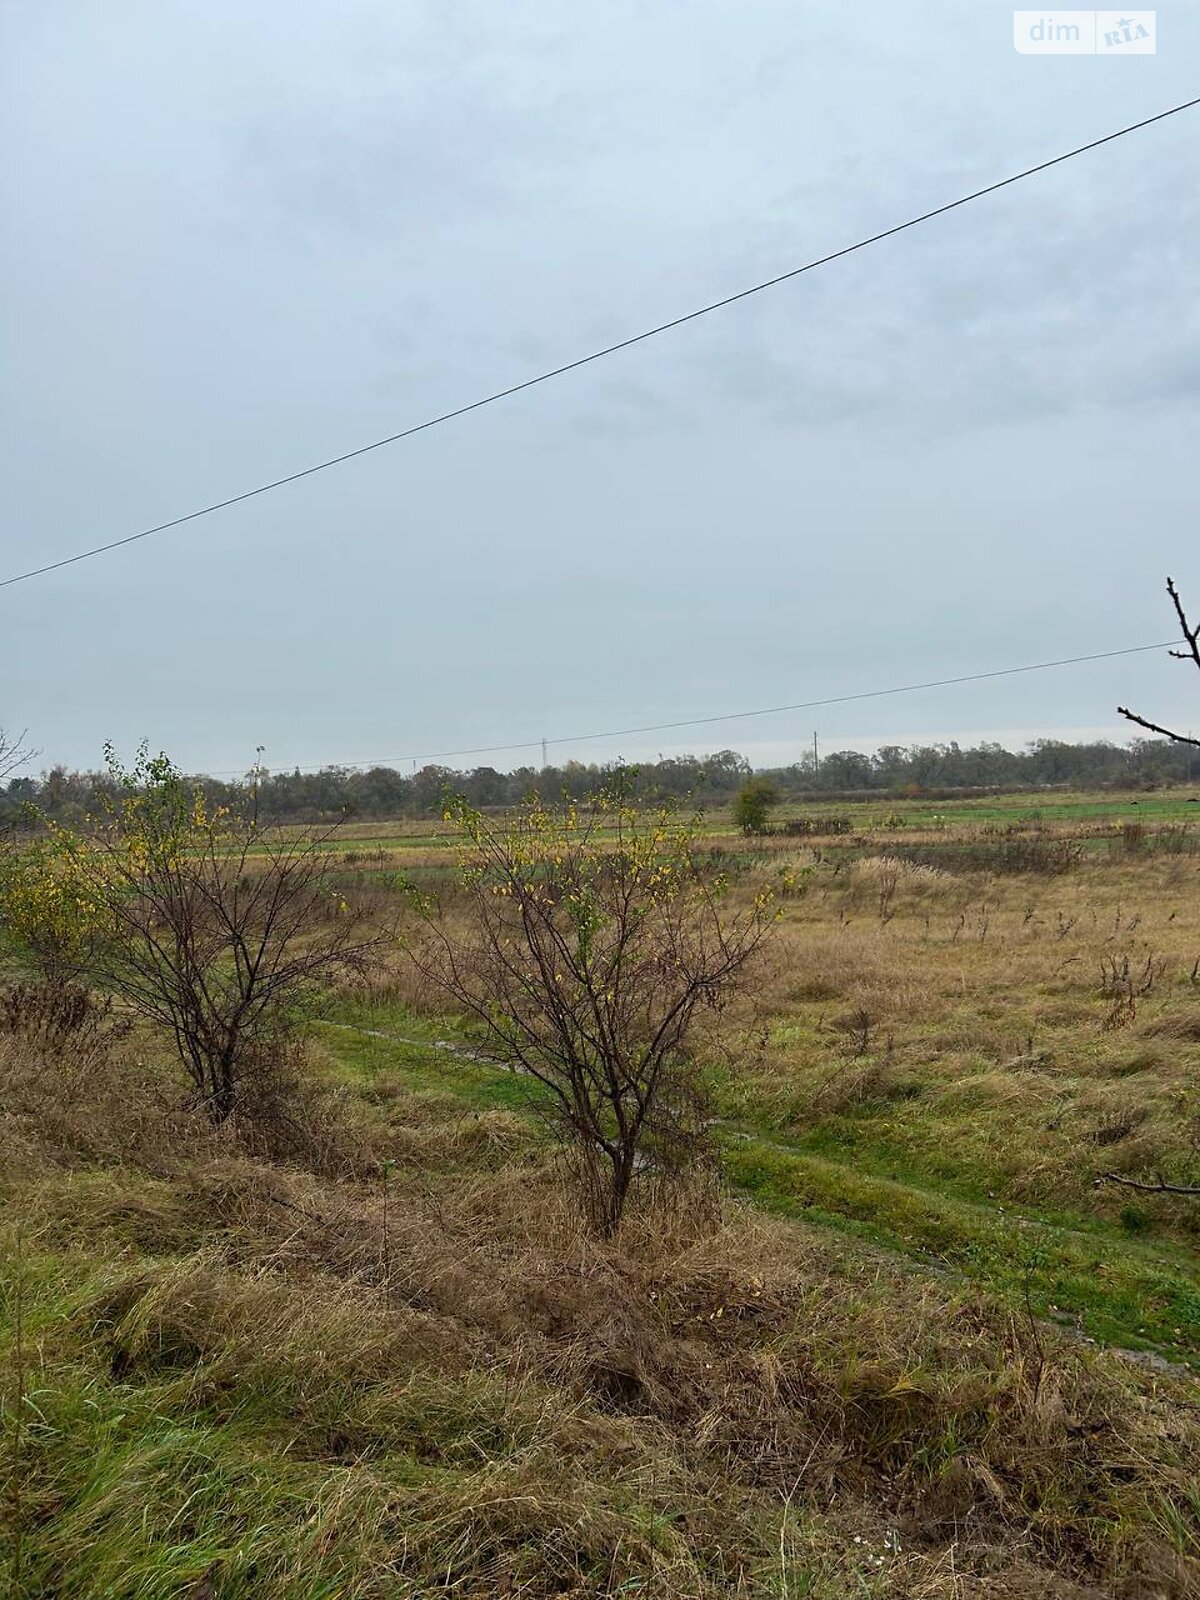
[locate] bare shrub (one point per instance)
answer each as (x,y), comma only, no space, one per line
(74,1087)
(205,923)
(1121,975)
(816,827)
(592,946)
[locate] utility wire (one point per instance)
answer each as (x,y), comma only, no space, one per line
(735,716)
(598,355)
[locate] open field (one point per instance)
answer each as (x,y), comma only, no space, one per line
(1098,812)
(948,1063)
(922,1349)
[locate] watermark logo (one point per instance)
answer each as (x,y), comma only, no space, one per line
(1084,33)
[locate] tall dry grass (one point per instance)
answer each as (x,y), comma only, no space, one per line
(1068,1004)
(703,1407)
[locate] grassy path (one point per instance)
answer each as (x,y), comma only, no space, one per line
(1134,1293)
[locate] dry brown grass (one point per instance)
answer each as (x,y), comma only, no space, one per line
(398,1303)
(728,1372)
(771,1387)
(80,1085)
(1071,1001)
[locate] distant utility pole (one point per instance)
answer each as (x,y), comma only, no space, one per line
(816,755)
(256,776)
(543,755)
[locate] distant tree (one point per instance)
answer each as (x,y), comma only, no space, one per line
(677,776)
(578,781)
(326,796)
(846,769)
(380,792)
(725,770)
(429,788)
(890,763)
(593,943)
(753,803)
(486,787)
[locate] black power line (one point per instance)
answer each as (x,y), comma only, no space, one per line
(735,716)
(608,350)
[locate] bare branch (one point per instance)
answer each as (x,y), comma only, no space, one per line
(1190,634)
(1153,727)
(1159,1186)
(14,753)
(1191,638)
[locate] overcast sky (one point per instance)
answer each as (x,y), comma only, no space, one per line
(241,238)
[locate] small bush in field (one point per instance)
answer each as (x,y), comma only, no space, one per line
(816,827)
(595,944)
(198,920)
(753,803)
(1046,857)
(48,913)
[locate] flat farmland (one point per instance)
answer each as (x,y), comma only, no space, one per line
(924,1324)
(975,1016)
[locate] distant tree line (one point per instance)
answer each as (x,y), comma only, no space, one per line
(382,792)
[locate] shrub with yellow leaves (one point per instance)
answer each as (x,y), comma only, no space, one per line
(596,940)
(198,919)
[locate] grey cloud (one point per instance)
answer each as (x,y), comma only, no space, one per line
(248,238)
